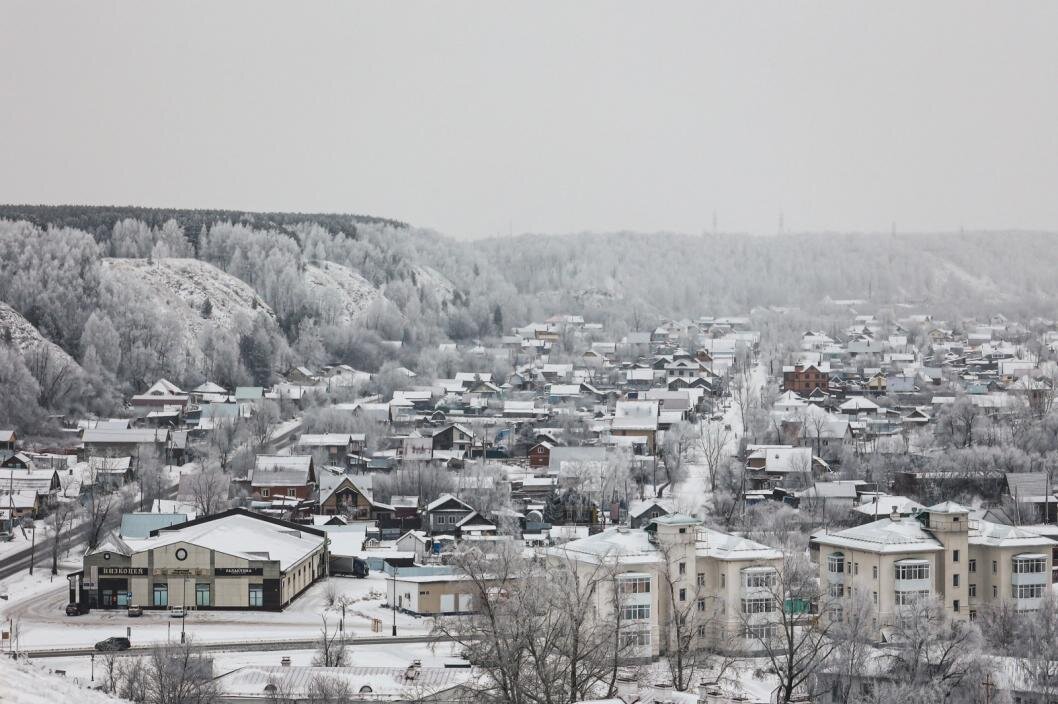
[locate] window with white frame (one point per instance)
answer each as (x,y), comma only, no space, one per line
(763,605)
(753,579)
(836,563)
(906,598)
(634,585)
(635,612)
(1030,565)
(764,631)
(912,570)
(635,639)
(1028,591)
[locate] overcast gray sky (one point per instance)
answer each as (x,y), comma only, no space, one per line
(480,118)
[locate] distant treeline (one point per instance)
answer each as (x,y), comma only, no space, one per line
(99,220)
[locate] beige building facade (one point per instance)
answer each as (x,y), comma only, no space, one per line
(232,560)
(676,579)
(941,552)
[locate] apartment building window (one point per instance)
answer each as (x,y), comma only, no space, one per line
(754,579)
(955,606)
(971,565)
(955,580)
(701,630)
(995,566)
(634,585)
(971,590)
(764,631)
(973,615)
(758,606)
(635,639)
(683,595)
(995,592)
(836,563)
(954,555)
(837,591)
(909,598)
(683,568)
(701,579)
(723,580)
(1030,565)
(1028,591)
(874,572)
(635,612)
(855,568)
(292,492)
(912,570)
(701,604)
(264,492)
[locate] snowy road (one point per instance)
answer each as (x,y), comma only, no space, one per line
(692,495)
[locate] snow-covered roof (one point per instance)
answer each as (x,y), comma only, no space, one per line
(240,534)
(724,546)
(883,536)
(1000,535)
(612,545)
(383,683)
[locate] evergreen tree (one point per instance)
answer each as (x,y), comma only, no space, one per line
(554,509)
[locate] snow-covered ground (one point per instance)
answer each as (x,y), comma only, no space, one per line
(37,604)
(34,683)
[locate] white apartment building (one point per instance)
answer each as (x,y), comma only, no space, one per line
(720,585)
(969,564)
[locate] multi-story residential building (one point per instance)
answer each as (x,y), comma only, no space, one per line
(676,571)
(967,563)
(805,378)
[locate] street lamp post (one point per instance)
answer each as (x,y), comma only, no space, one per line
(184,607)
(393,604)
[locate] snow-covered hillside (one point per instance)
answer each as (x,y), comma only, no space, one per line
(341,294)
(433,280)
(184,285)
(24,337)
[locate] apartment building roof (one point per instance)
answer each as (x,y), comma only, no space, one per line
(883,536)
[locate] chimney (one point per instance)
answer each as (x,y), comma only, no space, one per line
(285,662)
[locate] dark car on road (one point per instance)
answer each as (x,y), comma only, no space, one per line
(73,610)
(112,644)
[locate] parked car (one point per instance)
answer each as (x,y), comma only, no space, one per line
(73,610)
(177,612)
(135,610)
(6,536)
(112,644)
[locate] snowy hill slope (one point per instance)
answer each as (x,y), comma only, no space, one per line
(24,337)
(184,285)
(341,295)
(432,280)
